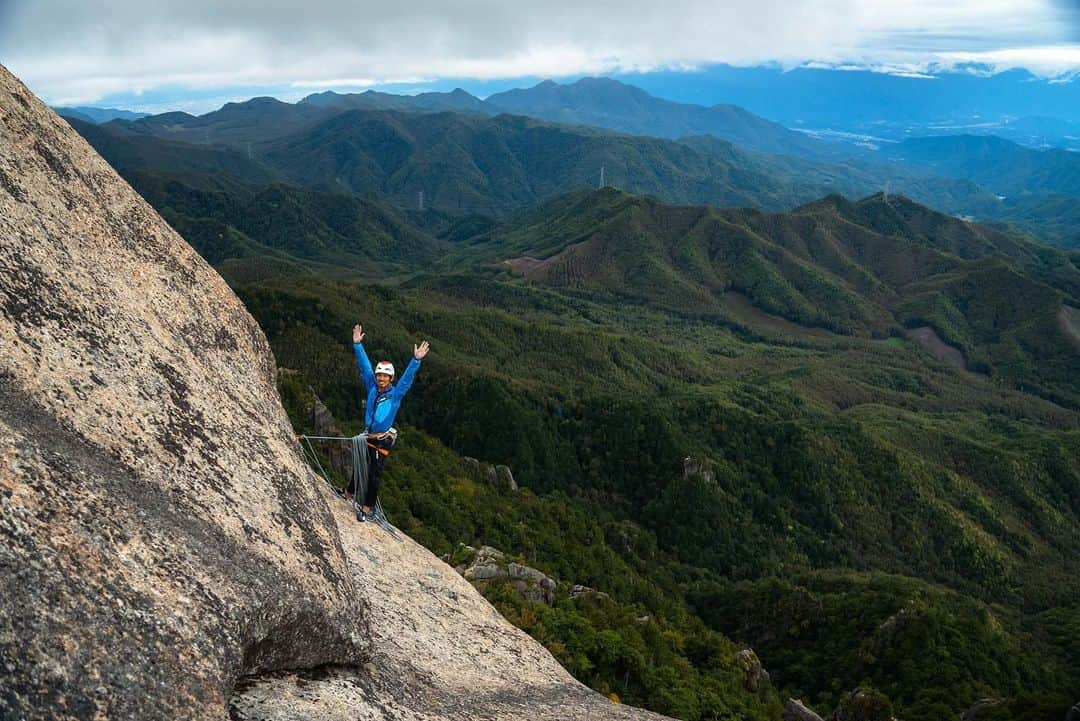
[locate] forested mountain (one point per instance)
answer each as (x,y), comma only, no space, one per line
(603,103)
(205,165)
(339,234)
(456,99)
(494,165)
(446,156)
(470,163)
(237,124)
(98,115)
(1038,189)
(872,268)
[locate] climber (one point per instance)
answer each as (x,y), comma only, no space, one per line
(383,401)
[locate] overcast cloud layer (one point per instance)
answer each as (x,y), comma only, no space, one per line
(79,51)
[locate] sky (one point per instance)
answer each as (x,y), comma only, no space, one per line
(197,54)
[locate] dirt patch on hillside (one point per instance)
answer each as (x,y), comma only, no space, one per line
(932,343)
(744,311)
(1069,318)
(530,267)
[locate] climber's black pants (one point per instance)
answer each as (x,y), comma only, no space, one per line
(376,461)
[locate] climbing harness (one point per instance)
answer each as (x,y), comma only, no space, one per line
(359,445)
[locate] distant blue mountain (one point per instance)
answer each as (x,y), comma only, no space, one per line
(609,103)
(98,115)
(455,100)
(877,104)
(1037,188)
(996,164)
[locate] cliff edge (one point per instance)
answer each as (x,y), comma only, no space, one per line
(164,551)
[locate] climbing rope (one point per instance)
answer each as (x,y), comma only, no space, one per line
(359,473)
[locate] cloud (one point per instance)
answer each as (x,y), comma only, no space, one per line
(1053,61)
(73,51)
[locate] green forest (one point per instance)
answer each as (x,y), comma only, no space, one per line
(858,514)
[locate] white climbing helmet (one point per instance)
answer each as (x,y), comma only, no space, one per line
(385,367)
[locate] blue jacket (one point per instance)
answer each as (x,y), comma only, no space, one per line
(382,407)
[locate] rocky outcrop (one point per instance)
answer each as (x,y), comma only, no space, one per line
(164,552)
(754,674)
(704,469)
(579,591)
(500,477)
(159,533)
(863,704)
(504,478)
(489,564)
(796,710)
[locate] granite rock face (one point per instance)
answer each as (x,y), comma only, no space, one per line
(164,551)
(159,533)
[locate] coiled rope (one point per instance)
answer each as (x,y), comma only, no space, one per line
(359,474)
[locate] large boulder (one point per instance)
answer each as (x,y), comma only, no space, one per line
(160,535)
(755,677)
(441,653)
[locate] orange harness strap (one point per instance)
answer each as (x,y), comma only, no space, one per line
(381,451)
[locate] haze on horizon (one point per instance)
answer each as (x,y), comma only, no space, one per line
(198,54)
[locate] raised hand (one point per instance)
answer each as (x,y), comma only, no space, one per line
(419,351)
(357,333)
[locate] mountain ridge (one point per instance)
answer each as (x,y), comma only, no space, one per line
(873,267)
(473,163)
(609,103)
